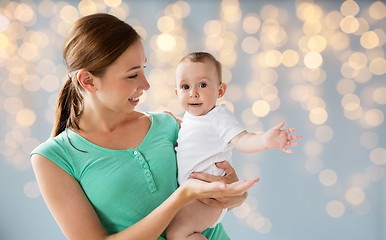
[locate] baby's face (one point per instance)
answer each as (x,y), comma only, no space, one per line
(198,86)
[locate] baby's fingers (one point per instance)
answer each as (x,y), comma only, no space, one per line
(294,137)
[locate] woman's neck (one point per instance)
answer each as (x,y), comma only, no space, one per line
(97,119)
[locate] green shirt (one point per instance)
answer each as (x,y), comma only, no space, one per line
(123,185)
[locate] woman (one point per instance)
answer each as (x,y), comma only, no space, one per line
(109,172)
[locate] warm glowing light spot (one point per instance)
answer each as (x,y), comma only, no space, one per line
(318,116)
(4,23)
(166,42)
(324,133)
(249,117)
(251,24)
(262,225)
(314,102)
(369,40)
(312,148)
(269,92)
(328,177)
(374,117)
(119,12)
(50,83)
(349,8)
(364,75)
(3,41)
(261,108)
(230,12)
(307,10)
(13,104)
(87,7)
(23,13)
(348,71)
(25,117)
(214,43)
(363,26)
(227,57)
(214,27)
(377,10)
(335,209)
(289,58)
(333,19)
(317,43)
(349,24)
(69,14)
(357,60)
(369,139)
(250,45)
(166,24)
(353,115)
(269,11)
(31,189)
(338,41)
(379,95)
(374,173)
(378,66)
(355,196)
(378,156)
(113,3)
(312,27)
(28,51)
(313,60)
(345,86)
(242,211)
(272,58)
(350,102)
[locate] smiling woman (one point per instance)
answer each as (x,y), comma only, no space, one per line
(109,171)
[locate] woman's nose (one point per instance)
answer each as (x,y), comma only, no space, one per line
(144,83)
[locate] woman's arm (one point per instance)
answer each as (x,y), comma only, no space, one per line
(77,219)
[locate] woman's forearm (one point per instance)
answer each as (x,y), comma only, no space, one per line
(152,226)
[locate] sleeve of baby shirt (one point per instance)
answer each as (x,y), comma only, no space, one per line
(227,125)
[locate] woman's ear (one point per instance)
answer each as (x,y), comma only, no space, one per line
(222,89)
(86,80)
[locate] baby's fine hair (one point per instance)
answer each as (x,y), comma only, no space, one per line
(204,57)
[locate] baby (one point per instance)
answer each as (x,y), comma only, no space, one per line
(207,135)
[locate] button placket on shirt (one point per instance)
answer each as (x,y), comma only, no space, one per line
(145,169)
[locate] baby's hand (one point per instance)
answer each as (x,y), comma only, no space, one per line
(279,139)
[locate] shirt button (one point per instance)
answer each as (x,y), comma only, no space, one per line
(151,184)
(148,174)
(140,158)
(135,152)
(144,166)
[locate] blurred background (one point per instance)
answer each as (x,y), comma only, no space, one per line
(318,65)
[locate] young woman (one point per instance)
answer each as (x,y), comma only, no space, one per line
(109,172)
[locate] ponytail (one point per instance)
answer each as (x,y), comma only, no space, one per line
(68,108)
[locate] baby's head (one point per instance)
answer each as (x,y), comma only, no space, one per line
(199,83)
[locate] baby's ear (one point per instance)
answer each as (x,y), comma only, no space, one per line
(221,90)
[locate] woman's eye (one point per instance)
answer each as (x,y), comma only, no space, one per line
(185,87)
(202,85)
(134,76)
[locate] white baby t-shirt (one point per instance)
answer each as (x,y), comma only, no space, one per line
(204,140)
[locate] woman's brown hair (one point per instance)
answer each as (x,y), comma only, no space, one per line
(94,42)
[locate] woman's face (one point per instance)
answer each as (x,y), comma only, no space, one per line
(124,81)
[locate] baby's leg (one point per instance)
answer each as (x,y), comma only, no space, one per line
(191,220)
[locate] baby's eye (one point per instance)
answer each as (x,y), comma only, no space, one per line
(185,87)
(202,85)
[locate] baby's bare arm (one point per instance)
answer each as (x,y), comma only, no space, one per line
(248,142)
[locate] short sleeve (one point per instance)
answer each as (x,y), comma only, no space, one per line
(52,150)
(226,124)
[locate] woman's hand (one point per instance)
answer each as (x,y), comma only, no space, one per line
(239,188)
